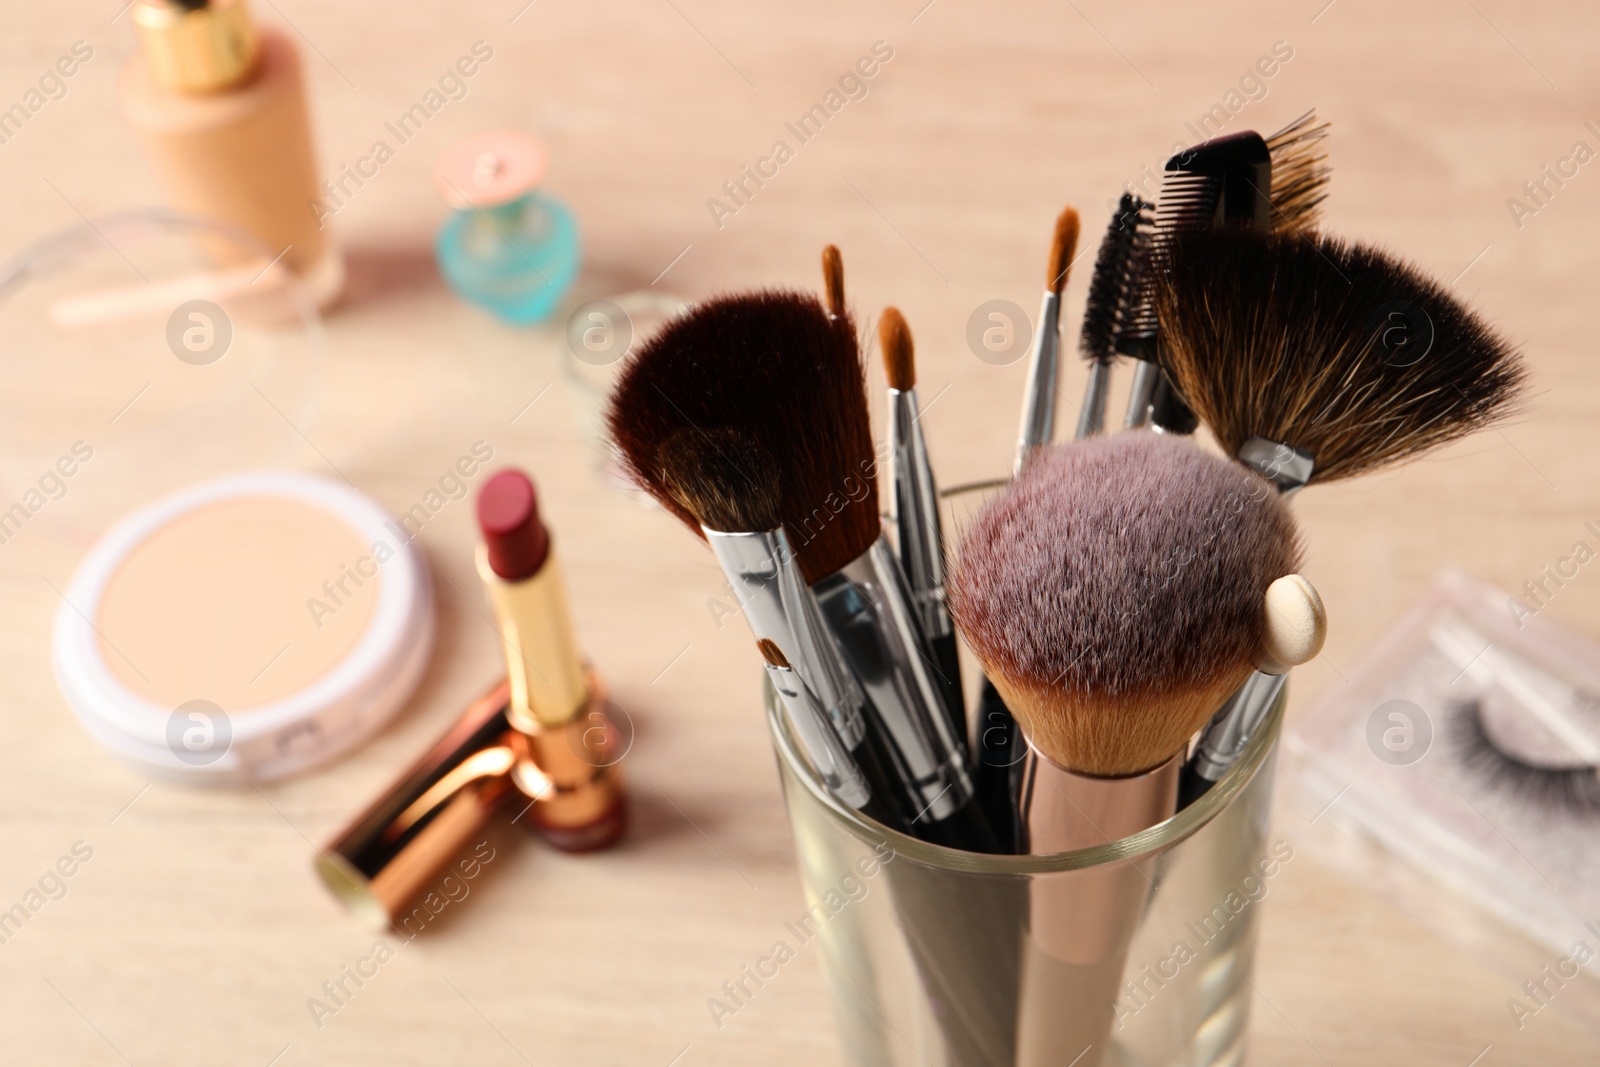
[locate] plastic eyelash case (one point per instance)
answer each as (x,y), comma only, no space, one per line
(1458,775)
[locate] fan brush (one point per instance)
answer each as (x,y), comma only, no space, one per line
(1314,359)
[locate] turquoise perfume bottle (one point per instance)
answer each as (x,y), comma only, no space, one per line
(506,246)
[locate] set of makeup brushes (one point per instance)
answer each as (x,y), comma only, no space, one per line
(1132,597)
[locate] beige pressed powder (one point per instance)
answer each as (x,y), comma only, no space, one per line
(214,605)
(245,628)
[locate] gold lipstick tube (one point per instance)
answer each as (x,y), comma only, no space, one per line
(392,851)
(568,744)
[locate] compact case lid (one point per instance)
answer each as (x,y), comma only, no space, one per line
(302,720)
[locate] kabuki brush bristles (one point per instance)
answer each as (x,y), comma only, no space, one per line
(1115,594)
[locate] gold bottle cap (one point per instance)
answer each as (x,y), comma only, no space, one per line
(197,46)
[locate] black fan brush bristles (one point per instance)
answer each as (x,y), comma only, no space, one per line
(1332,347)
(1574,788)
(1115,594)
(724,479)
(774,368)
(1300,174)
(1111,286)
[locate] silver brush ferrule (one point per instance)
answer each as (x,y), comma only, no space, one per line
(765,576)
(1145,376)
(1231,730)
(829,758)
(1285,466)
(868,609)
(1039,398)
(914,510)
(1092,416)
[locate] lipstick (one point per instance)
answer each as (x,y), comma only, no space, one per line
(566,743)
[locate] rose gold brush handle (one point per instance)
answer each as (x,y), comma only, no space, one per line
(1081,922)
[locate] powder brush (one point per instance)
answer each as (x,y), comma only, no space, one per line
(778,370)
(1115,594)
(729,485)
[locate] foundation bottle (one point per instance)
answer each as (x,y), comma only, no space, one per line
(219,107)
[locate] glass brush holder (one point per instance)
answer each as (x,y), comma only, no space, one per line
(936,957)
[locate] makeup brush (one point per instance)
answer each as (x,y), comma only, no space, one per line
(833,282)
(1039,398)
(1116,595)
(1314,359)
(1300,174)
(1111,291)
(1239,179)
(914,511)
(777,370)
(729,484)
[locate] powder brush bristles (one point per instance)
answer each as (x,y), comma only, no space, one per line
(774,368)
(1331,347)
(725,480)
(899,361)
(1115,594)
(1300,174)
(1111,285)
(1063,243)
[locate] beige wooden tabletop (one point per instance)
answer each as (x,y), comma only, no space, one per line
(197,933)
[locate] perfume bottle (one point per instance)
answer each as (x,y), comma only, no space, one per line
(219,107)
(506,246)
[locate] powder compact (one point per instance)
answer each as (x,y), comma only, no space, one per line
(246,628)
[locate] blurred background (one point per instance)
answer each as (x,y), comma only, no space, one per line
(197,932)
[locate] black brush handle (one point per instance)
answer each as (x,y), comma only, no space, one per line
(947,672)
(1168,412)
(1192,785)
(996,766)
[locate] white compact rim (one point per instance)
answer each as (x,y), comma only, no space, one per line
(302,729)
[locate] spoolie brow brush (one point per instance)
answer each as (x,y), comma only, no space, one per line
(1110,293)
(914,511)
(1039,398)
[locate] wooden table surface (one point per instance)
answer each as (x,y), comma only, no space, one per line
(197,934)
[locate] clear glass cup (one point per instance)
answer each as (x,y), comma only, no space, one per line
(932,958)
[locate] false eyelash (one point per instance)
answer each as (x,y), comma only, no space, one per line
(1573,788)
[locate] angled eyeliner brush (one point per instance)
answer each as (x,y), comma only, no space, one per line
(914,512)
